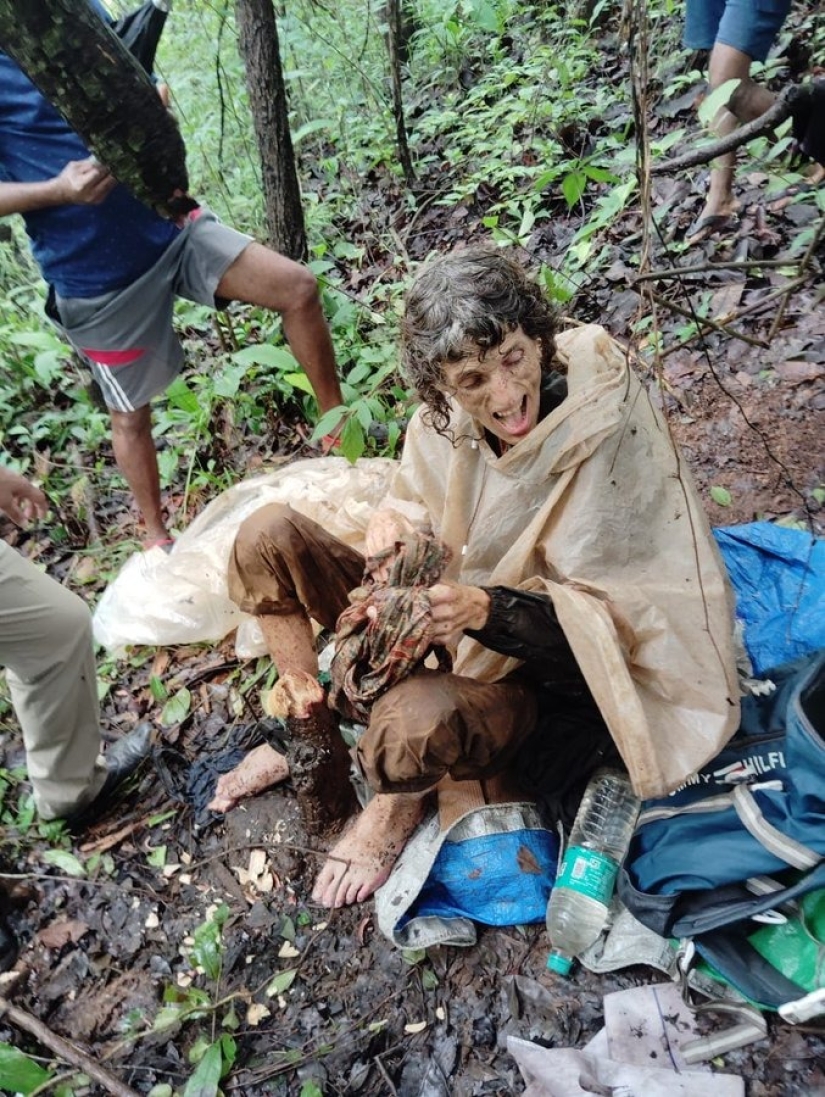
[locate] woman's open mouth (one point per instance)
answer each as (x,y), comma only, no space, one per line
(516,421)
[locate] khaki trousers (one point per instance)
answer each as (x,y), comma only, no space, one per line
(429,726)
(46,648)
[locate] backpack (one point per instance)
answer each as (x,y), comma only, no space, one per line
(742,842)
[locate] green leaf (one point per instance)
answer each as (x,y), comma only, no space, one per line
(718,98)
(819,495)
(572,187)
(720,495)
(352,440)
(301,382)
(158,689)
(413,955)
(180,396)
(328,421)
(311,1089)
(287,930)
(176,708)
(166,1018)
(228,381)
(429,979)
(229,1050)
(19,1073)
(264,354)
(161,817)
(200,1047)
(65,861)
(207,950)
(282,981)
(204,1082)
(156,857)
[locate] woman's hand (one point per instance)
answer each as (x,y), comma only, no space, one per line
(456,607)
(384,529)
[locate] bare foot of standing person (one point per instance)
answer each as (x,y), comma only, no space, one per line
(362,859)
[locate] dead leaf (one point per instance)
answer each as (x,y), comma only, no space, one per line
(59,934)
(364,928)
(160,664)
(797,373)
(257,1013)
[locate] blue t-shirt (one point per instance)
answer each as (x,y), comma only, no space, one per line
(83,251)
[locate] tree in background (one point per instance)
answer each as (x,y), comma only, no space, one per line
(399,29)
(259,47)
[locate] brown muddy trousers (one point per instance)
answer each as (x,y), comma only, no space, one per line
(430,725)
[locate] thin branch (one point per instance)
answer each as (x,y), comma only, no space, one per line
(69,1053)
(702,268)
(706,320)
(749,310)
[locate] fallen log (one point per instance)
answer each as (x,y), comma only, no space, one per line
(84,70)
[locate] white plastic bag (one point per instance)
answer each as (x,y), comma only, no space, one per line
(181,597)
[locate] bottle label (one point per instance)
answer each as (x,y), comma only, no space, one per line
(589,873)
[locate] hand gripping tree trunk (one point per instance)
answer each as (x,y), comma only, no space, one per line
(84,70)
(259,48)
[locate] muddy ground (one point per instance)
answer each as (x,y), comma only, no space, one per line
(102,954)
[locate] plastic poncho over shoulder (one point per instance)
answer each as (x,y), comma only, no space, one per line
(597,509)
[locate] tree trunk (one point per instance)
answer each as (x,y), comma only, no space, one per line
(80,65)
(397,42)
(260,50)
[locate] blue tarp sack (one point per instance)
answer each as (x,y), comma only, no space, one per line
(710,857)
(778,577)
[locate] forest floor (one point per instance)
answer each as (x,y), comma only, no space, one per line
(100,953)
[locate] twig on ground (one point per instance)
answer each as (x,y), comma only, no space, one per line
(740,314)
(109,841)
(702,268)
(69,1053)
(706,320)
(382,1070)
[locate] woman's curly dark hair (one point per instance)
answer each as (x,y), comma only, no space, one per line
(461,303)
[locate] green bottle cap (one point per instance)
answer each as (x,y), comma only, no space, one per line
(559,963)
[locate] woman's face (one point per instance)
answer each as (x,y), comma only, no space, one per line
(499,387)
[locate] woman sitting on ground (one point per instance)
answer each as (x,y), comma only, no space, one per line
(585,605)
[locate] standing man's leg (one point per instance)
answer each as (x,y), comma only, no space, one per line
(737,32)
(260,276)
(137,459)
(726,63)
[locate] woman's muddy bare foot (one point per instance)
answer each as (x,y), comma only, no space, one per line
(319,762)
(362,859)
(261,768)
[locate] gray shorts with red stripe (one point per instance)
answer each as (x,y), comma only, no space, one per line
(127,336)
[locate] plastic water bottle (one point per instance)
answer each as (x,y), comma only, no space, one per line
(598,843)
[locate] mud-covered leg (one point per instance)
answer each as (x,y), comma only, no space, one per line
(317,756)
